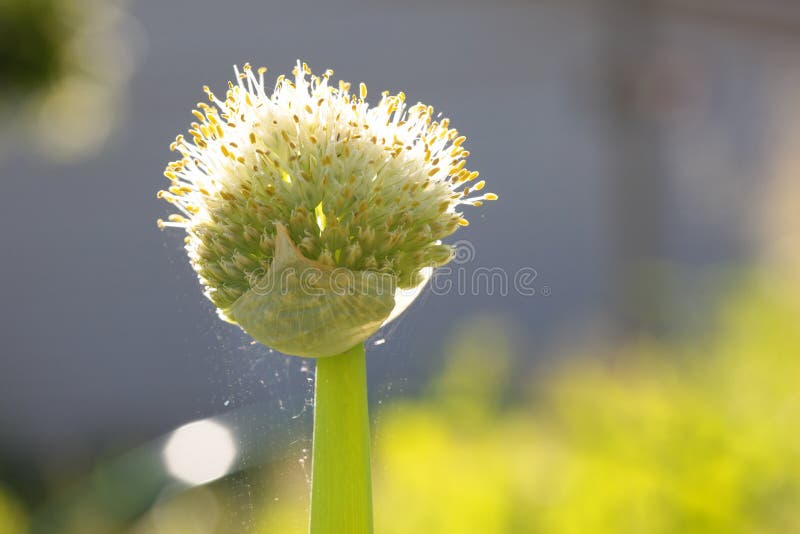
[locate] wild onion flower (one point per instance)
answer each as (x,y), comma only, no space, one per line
(308,214)
(340,183)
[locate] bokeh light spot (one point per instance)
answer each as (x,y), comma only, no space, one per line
(200,452)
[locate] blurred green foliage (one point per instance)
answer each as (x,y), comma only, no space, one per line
(32,35)
(697,436)
(658,439)
(64,67)
(13,519)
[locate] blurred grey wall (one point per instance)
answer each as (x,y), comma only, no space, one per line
(105,336)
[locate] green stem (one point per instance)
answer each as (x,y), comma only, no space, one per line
(341,484)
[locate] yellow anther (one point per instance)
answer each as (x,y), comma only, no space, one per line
(458,167)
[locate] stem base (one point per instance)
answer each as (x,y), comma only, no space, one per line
(341,487)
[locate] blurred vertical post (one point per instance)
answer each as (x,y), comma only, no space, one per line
(638,181)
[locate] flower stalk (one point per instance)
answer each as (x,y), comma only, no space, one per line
(341,486)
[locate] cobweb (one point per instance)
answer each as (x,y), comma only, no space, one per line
(267,399)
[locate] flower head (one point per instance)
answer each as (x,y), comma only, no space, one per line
(343,184)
